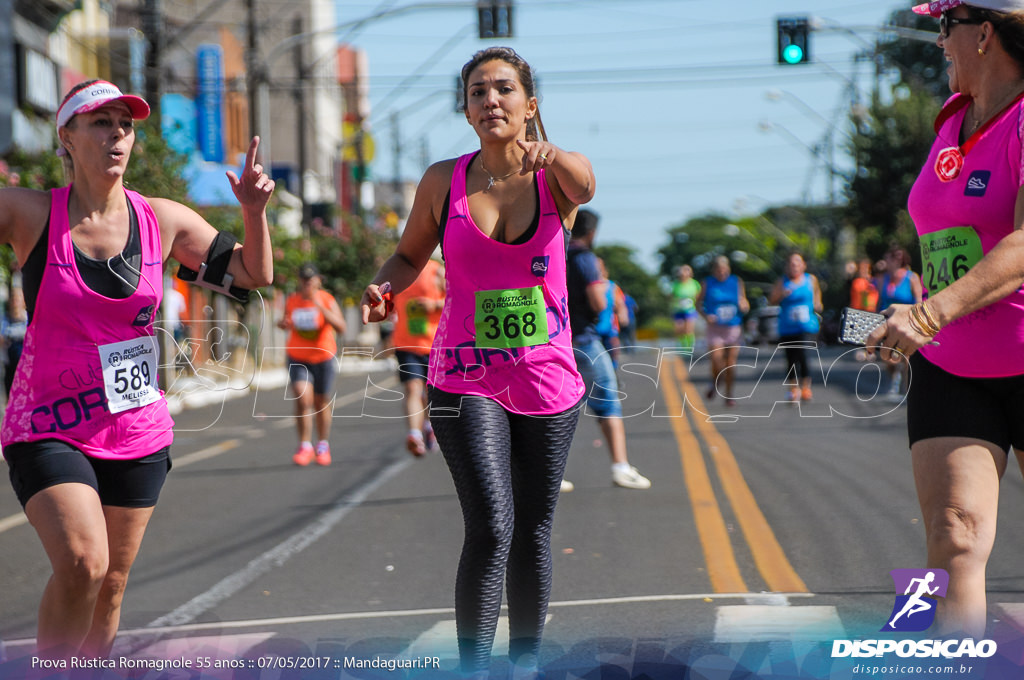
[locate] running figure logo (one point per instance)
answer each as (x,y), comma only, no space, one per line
(914,609)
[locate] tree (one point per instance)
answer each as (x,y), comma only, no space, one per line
(920,65)
(891,139)
(756,246)
(346,262)
(155,168)
(889,148)
(620,260)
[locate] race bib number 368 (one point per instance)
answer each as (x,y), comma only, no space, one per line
(130,373)
(516,317)
(947,255)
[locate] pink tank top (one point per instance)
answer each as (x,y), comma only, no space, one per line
(958,222)
(88,374)
(504,332)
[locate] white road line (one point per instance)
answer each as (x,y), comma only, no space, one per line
(766,623)
(441,641)
(278,555)
(12,521)
(208,452)
(162,629)
(440,611)
(19,519)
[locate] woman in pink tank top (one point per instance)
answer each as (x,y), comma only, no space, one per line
(965,341)
(503,386)
(86,431)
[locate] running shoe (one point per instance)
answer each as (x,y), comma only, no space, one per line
(429,440)
(794,394)
(567,486)
(730,402)
(806,394)
(304,456)
(630,479)
(414,442)
(323,454)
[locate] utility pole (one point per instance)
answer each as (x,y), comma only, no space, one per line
(397,166)
(253,70)
(300,107)
(153,28)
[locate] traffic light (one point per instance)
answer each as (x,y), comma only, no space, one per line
(794,40)
(494,18)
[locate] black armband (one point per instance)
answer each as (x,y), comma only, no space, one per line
(213,273)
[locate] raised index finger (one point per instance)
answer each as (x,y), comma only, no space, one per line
(250,155)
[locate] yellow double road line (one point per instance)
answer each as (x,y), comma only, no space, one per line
(723,569)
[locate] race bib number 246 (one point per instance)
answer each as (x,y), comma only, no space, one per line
(948,254)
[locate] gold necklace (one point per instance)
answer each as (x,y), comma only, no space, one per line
(978,120)
(491,179)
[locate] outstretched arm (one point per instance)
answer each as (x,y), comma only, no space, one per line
(418,241)
(570,175)
(187,236)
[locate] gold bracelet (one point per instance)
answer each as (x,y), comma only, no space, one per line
(918,323)
(915,325)
(930,317)
(928,320)
(924,325)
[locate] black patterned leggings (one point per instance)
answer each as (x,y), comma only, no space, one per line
(507,470)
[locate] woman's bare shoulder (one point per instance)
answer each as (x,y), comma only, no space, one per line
(21,202)
(440,173)
(23,216)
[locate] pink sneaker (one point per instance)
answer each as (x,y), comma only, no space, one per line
(304,456)
(323,453)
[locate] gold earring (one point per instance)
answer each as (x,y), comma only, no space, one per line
(981,52)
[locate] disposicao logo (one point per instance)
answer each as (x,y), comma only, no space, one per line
(914,609)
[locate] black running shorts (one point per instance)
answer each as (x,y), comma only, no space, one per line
(38,465)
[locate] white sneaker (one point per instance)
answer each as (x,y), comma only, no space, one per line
(630,479)
(567,486)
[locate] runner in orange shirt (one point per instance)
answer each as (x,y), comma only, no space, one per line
(313,317)
(418,309)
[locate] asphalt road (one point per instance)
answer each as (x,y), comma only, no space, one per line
(770,530)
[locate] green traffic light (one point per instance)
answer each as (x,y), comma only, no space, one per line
(793,54)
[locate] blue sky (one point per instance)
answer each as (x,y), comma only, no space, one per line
(678,104)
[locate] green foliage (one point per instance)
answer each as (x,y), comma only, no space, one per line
(920,64)
(889,149)
(634,280)
(891,139)
(756,246)
(347,261)
(40,171)
(155,169)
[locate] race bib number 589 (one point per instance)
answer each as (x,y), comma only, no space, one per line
(130,373)
(511,318)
